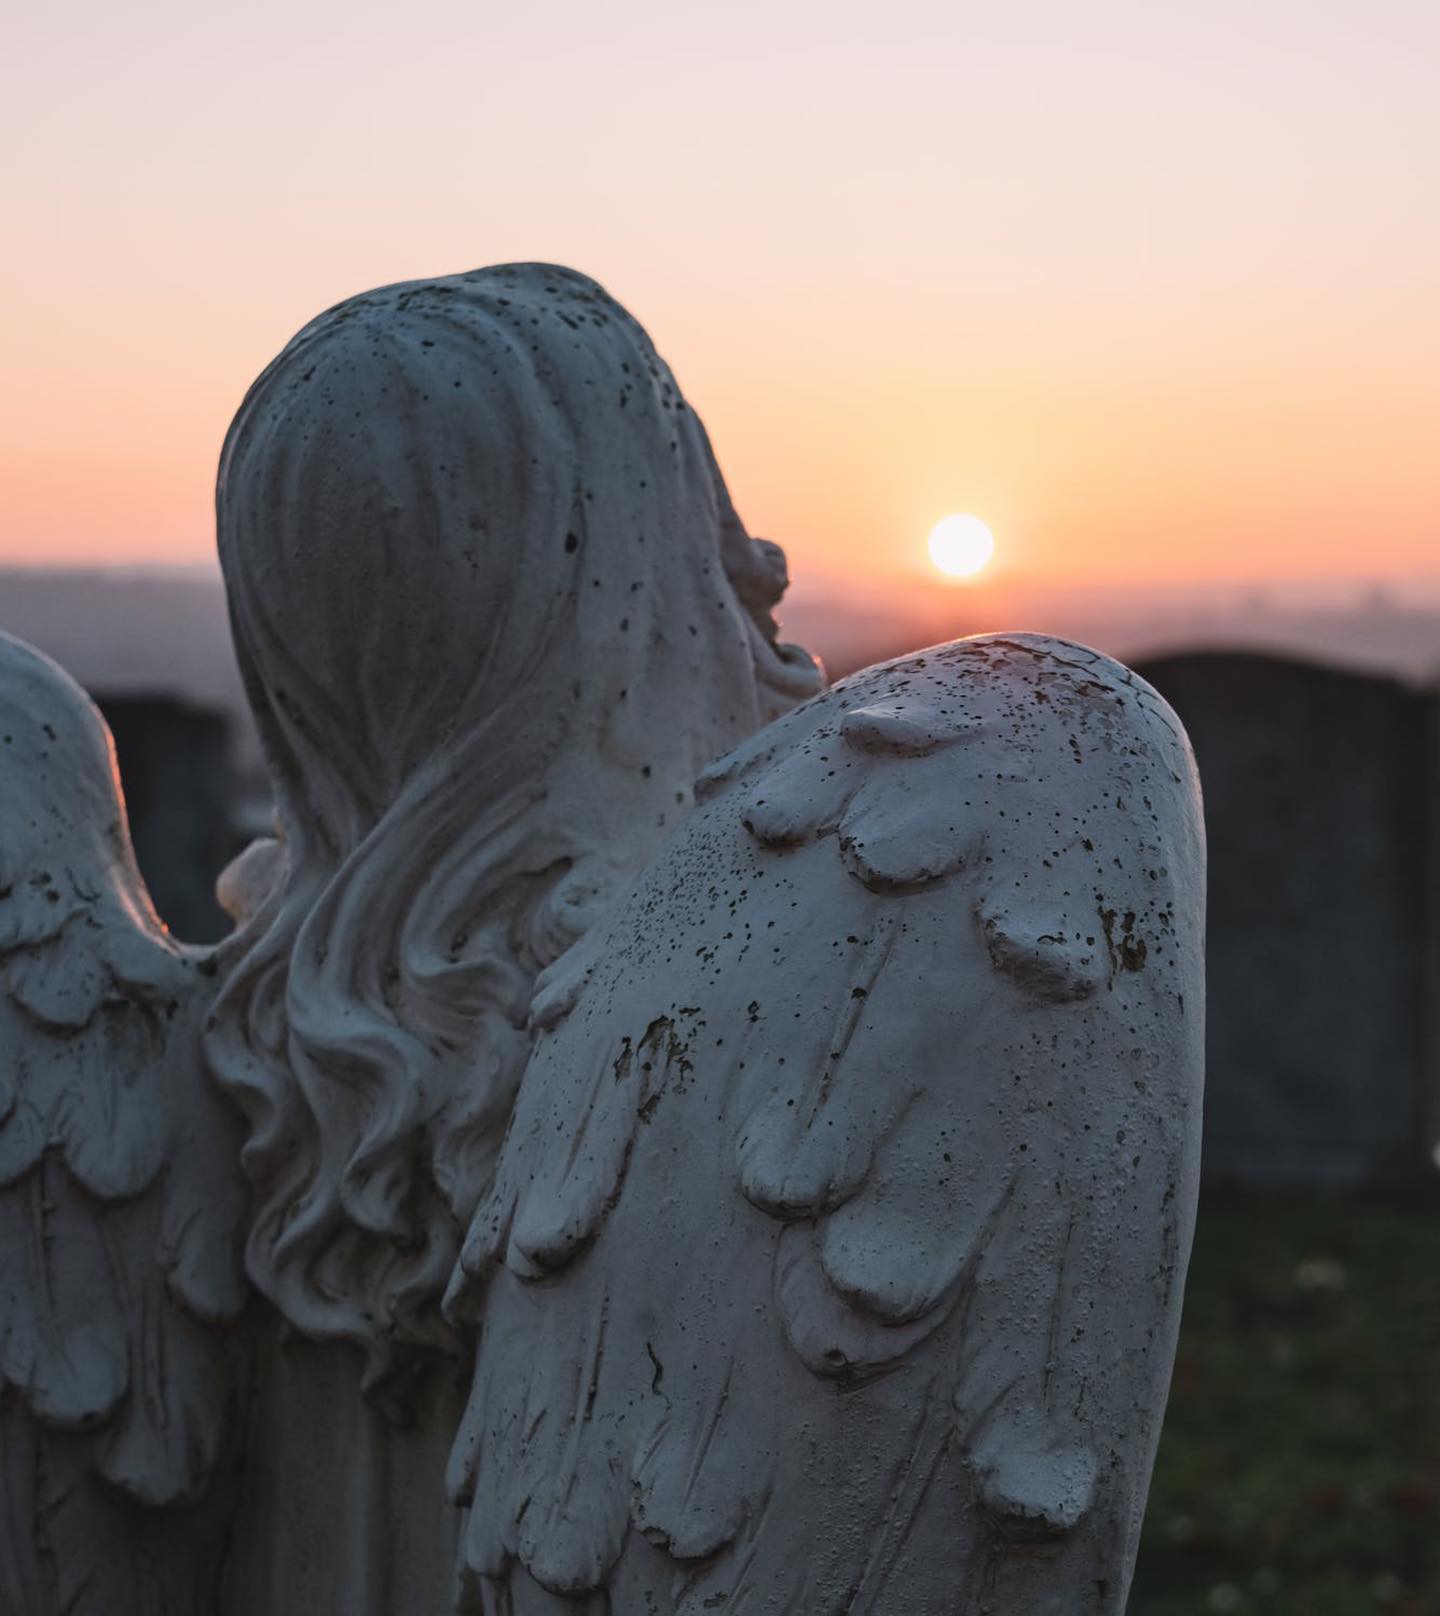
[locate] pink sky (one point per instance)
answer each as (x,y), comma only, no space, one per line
(1151,289)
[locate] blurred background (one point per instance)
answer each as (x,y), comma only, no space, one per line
(1146,293)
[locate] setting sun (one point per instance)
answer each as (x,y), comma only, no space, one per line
(961,546)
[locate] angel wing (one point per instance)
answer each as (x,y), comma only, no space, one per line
(120,1201)
(836,1253)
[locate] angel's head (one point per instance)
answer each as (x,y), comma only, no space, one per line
(477,512)
(495,612)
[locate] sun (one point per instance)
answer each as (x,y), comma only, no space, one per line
(961,546)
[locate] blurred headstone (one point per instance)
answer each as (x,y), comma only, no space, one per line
(177,775)
(1319,785)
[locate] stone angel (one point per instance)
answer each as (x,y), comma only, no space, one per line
(664,1136)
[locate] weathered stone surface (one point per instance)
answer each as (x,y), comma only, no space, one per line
(836,1250)
(121,1197)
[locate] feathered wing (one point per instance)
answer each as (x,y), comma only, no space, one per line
(120,1205)
(836,1253)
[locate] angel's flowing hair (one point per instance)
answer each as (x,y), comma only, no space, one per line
(494,611)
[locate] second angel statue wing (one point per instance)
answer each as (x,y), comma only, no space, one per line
(835,1255)
(120,1195)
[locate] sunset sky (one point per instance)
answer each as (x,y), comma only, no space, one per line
(1152,289)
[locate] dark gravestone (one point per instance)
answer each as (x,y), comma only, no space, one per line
(1321,913)
(176,770)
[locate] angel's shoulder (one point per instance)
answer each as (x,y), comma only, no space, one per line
(1027,782)
(910,763)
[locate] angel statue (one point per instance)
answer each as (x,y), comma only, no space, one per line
(664,1136)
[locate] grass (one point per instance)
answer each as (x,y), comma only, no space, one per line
(1299,1470)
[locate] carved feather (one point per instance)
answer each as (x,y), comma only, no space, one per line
(120,1200)
(855,1164)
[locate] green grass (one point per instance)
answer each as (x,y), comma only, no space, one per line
(1299,1470)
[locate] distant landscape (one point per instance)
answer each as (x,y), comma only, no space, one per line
(165,631)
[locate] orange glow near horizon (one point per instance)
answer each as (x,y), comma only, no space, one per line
(1043,278)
